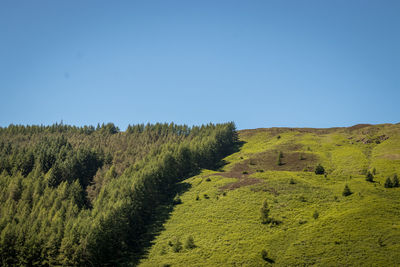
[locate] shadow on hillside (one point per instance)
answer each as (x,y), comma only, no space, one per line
(161,214)
(220,165)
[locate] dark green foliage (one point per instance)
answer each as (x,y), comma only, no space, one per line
(395,181)
(369,177)
(292,181)
(264,254)
(374,171)
(319,169)
(177,246)
(346,191)
(189,243)
(208,179)
(265,213)
(315,214)
(177,200)
(388,183)
(245,172)
(279,161)
(78,196)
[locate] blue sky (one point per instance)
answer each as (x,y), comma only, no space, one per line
(258,63)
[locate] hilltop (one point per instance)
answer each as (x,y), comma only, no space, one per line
(217,221)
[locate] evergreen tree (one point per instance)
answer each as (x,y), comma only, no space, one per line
(189,244)
(395,181)
(346,191)
(388,183)
(369,177)
(319,169)
(265,213)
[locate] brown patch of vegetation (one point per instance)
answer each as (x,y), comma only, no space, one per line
(291,161)
(241,182)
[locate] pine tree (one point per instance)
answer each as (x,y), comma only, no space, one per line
(369,177)
(189,244)
(265,213)
(388,183)
(319,169)
(395,181)
(346,191)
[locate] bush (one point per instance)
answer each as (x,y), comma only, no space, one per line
(197,197)
(208,180)
(346,191)
(264,254)
(316,215)
(292,181)
(279,161)
(265,213)
(245,172)
(206,196)
(395,181)
(319,169)
(177,200)
(189,244)
(373,171)
(388,183)
(177,246)
(369,177)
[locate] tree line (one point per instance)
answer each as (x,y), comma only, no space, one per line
(70,197)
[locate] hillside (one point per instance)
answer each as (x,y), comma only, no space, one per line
(217,221)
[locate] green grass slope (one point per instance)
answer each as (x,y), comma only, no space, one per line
(221,210)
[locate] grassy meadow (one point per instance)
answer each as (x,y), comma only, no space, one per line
(314,223)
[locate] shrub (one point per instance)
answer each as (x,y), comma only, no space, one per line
(369,177)
(245,172)
(301,157)
(189,244)
(316,215)
(292,181)
(208,180)
(264,255)
(206,196)
(177,246)
(177,200)
(319,169)
(278,137)
(259,170)
(395,181)
(346,191)
(302,199)
(373,171)
(197,197)
(265,213)
(388,183)
(279,161)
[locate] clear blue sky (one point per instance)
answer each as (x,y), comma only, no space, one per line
(258,63)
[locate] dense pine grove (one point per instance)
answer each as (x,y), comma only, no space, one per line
(86,195)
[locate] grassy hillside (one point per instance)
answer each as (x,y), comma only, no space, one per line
(315,223)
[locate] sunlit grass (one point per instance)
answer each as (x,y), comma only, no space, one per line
(360,229)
